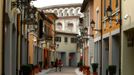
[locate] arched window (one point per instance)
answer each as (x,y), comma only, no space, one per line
(77,11)
(59,26)
(71,12)
(55,11)
(65,13)
(60,13)
(70,26)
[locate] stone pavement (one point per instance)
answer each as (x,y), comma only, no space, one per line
(44,72)
(65,71)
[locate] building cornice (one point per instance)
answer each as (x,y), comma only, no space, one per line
(62,6)
(66,33)
(66,17)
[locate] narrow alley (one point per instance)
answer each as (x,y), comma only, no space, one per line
(85,37)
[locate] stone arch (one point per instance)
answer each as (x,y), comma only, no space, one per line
(47,10)
(55,11)
(71,11)
(50,10)
(77,10)
(60,12)
(65,12)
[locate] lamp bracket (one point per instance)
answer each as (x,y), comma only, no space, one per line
(97,29)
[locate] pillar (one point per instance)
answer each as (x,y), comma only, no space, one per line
(1,26)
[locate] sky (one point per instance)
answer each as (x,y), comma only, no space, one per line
(43,3)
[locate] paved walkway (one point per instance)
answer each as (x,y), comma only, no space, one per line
(64,71)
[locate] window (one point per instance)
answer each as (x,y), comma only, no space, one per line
(65,39)
(58,39)
(59,26)
(110,3)
(104,25)
(81,20)
(73,40)
(104,7)
(116,3)
(60,13)
(70,26)
(71,12)
(97,19)
(77,11)
(65,13)
(56,12)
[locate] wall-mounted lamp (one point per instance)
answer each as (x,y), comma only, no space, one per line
(109,15)
(92,24)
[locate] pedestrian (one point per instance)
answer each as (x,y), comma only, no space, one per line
(56,64)
(60,64)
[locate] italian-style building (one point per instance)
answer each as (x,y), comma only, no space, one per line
(127,37)
(106,32)
(66,32)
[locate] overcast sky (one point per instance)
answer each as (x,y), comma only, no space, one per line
(43,3)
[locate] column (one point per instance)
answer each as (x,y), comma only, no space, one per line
(110,49)
(67,59)
(1,31)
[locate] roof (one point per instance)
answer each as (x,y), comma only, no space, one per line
(84,4)
(45,17)
(53,14)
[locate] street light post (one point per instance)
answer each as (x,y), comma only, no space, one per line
(92,23)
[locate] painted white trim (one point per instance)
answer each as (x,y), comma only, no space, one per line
(127,27)
(97,39)
(106,35)
(105,18)
(115,32)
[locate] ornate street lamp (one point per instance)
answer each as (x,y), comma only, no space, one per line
(86,30)
(109,12)
(92,23)
(109,15)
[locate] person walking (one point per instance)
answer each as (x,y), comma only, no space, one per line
(56,64)
(60,64)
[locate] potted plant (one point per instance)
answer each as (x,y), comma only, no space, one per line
(94,67)
(27,69)
(112,69)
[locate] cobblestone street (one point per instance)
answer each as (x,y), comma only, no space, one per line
(65,71)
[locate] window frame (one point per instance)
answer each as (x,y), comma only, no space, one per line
(65,39)
(73,40)
(58,39)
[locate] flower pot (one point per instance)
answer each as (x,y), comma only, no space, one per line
(112,69)
(94,67)
(27,69)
